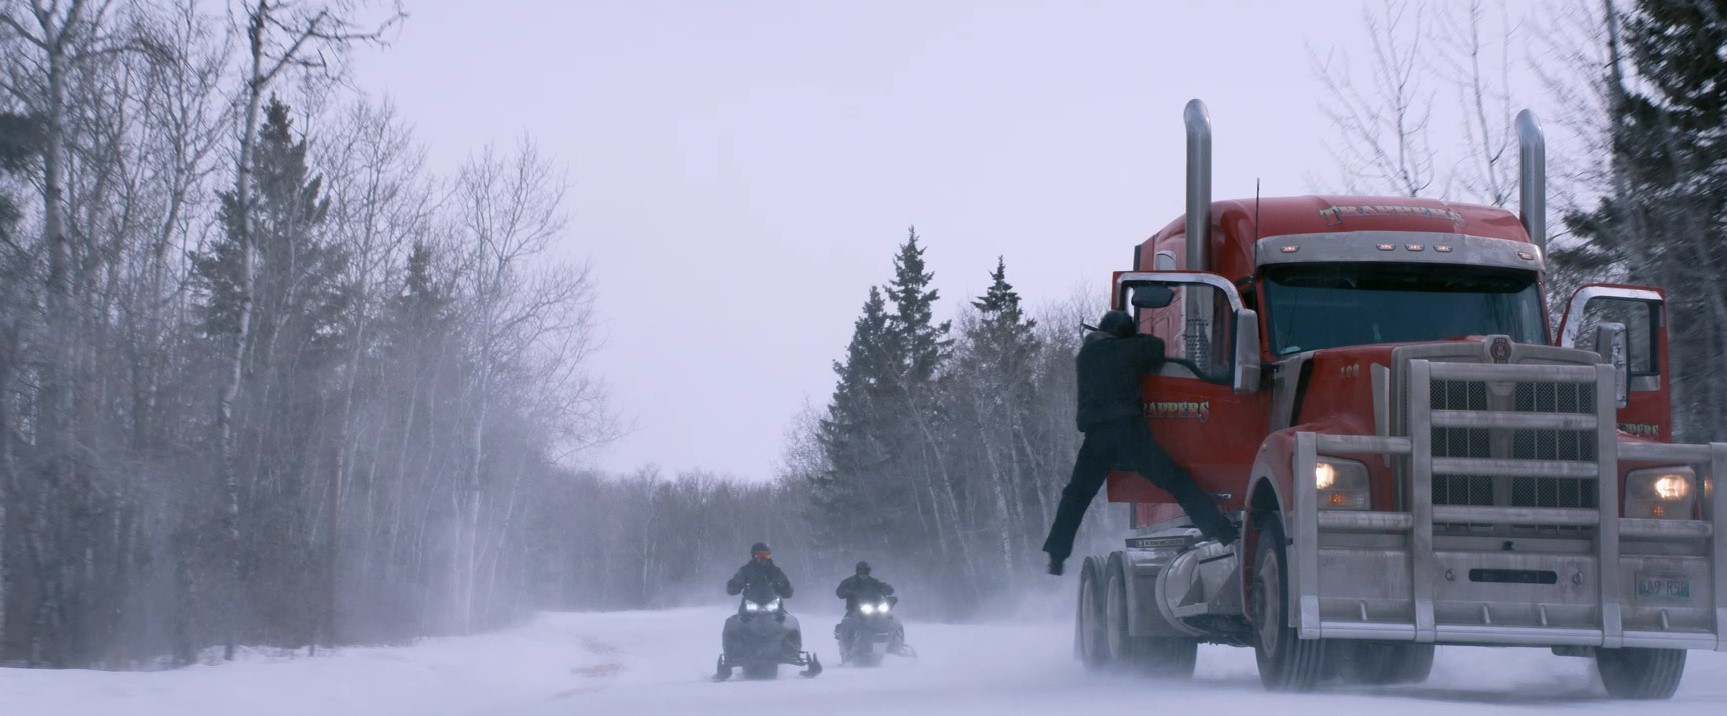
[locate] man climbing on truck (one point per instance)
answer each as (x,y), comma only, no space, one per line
(1109,366)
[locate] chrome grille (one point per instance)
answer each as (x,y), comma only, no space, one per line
(1524,397)
(1481,393)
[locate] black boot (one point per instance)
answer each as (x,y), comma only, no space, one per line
(1055,565)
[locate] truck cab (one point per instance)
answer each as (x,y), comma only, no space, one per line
(1373,387)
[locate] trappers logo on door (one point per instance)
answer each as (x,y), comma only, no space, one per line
(1179,410)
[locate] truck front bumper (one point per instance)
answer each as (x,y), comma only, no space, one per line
(1513,576)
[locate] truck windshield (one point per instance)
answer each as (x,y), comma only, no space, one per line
(1315,306)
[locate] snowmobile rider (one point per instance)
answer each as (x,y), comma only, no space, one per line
(1109,365)
(759,570)
(858,586)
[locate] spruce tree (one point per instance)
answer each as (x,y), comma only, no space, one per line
(420,314)
(922,426)
(920,344)
(298,288)
(1003,329)
(995,394)
(296,327)
(851,436)
(18,141)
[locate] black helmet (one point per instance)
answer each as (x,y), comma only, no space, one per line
(1118,323)
(863,567)
(759,547)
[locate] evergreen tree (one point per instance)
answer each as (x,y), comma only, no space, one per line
(18,140)
(299,299)
(919,345)
(420,315)
(1004,332)
(919,350)
(299,294)
(18,144)
(851,436)
(993,396)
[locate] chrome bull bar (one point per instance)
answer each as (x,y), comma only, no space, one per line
(1384,575)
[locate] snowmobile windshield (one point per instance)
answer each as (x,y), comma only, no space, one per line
(761,593)
(1317,306)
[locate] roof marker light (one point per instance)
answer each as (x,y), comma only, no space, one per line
(1526,256)
(1415,247)
(1291,249)
(1387,247)
(1442,249)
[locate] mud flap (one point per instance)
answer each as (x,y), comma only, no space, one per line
(814,669)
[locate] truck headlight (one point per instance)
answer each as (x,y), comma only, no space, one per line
(1342,484)
(1661,493)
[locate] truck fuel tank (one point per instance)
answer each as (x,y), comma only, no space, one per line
(1201,581)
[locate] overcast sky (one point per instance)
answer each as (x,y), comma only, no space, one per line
(743,171)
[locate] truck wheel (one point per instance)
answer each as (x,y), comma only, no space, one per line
(1640,673)
(1089,638)
(1159,657)
(1286,663)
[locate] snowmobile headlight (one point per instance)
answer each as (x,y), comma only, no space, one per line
(867,608)
(1342,484)
(774,605)
(883,608)
(1660,493)
(750,606)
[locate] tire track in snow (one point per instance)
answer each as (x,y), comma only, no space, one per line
(594,676)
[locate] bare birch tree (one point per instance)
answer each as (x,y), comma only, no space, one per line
(1384,118)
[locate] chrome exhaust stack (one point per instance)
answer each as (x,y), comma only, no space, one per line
(1199,186)
(1531,178)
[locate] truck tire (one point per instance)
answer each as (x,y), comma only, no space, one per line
(1089,639)
(1157,657)
(1286,663)
(1640,673)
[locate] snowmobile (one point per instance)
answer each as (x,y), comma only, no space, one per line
(871,631)
(761,637)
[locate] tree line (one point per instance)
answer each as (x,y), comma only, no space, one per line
(264,378)
(939,459)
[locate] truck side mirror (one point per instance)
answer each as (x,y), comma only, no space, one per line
(1613,347)
(1152,296)
(1246,351)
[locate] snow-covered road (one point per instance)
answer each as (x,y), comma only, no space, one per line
(641,663)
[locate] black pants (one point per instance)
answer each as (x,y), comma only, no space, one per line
(1128,443)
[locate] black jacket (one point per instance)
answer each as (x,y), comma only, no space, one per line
(854,587)
(1109,369)
(765,573)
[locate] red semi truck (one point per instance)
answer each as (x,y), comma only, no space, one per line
(1373,387)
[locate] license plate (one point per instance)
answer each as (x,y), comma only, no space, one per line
(1663,587)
